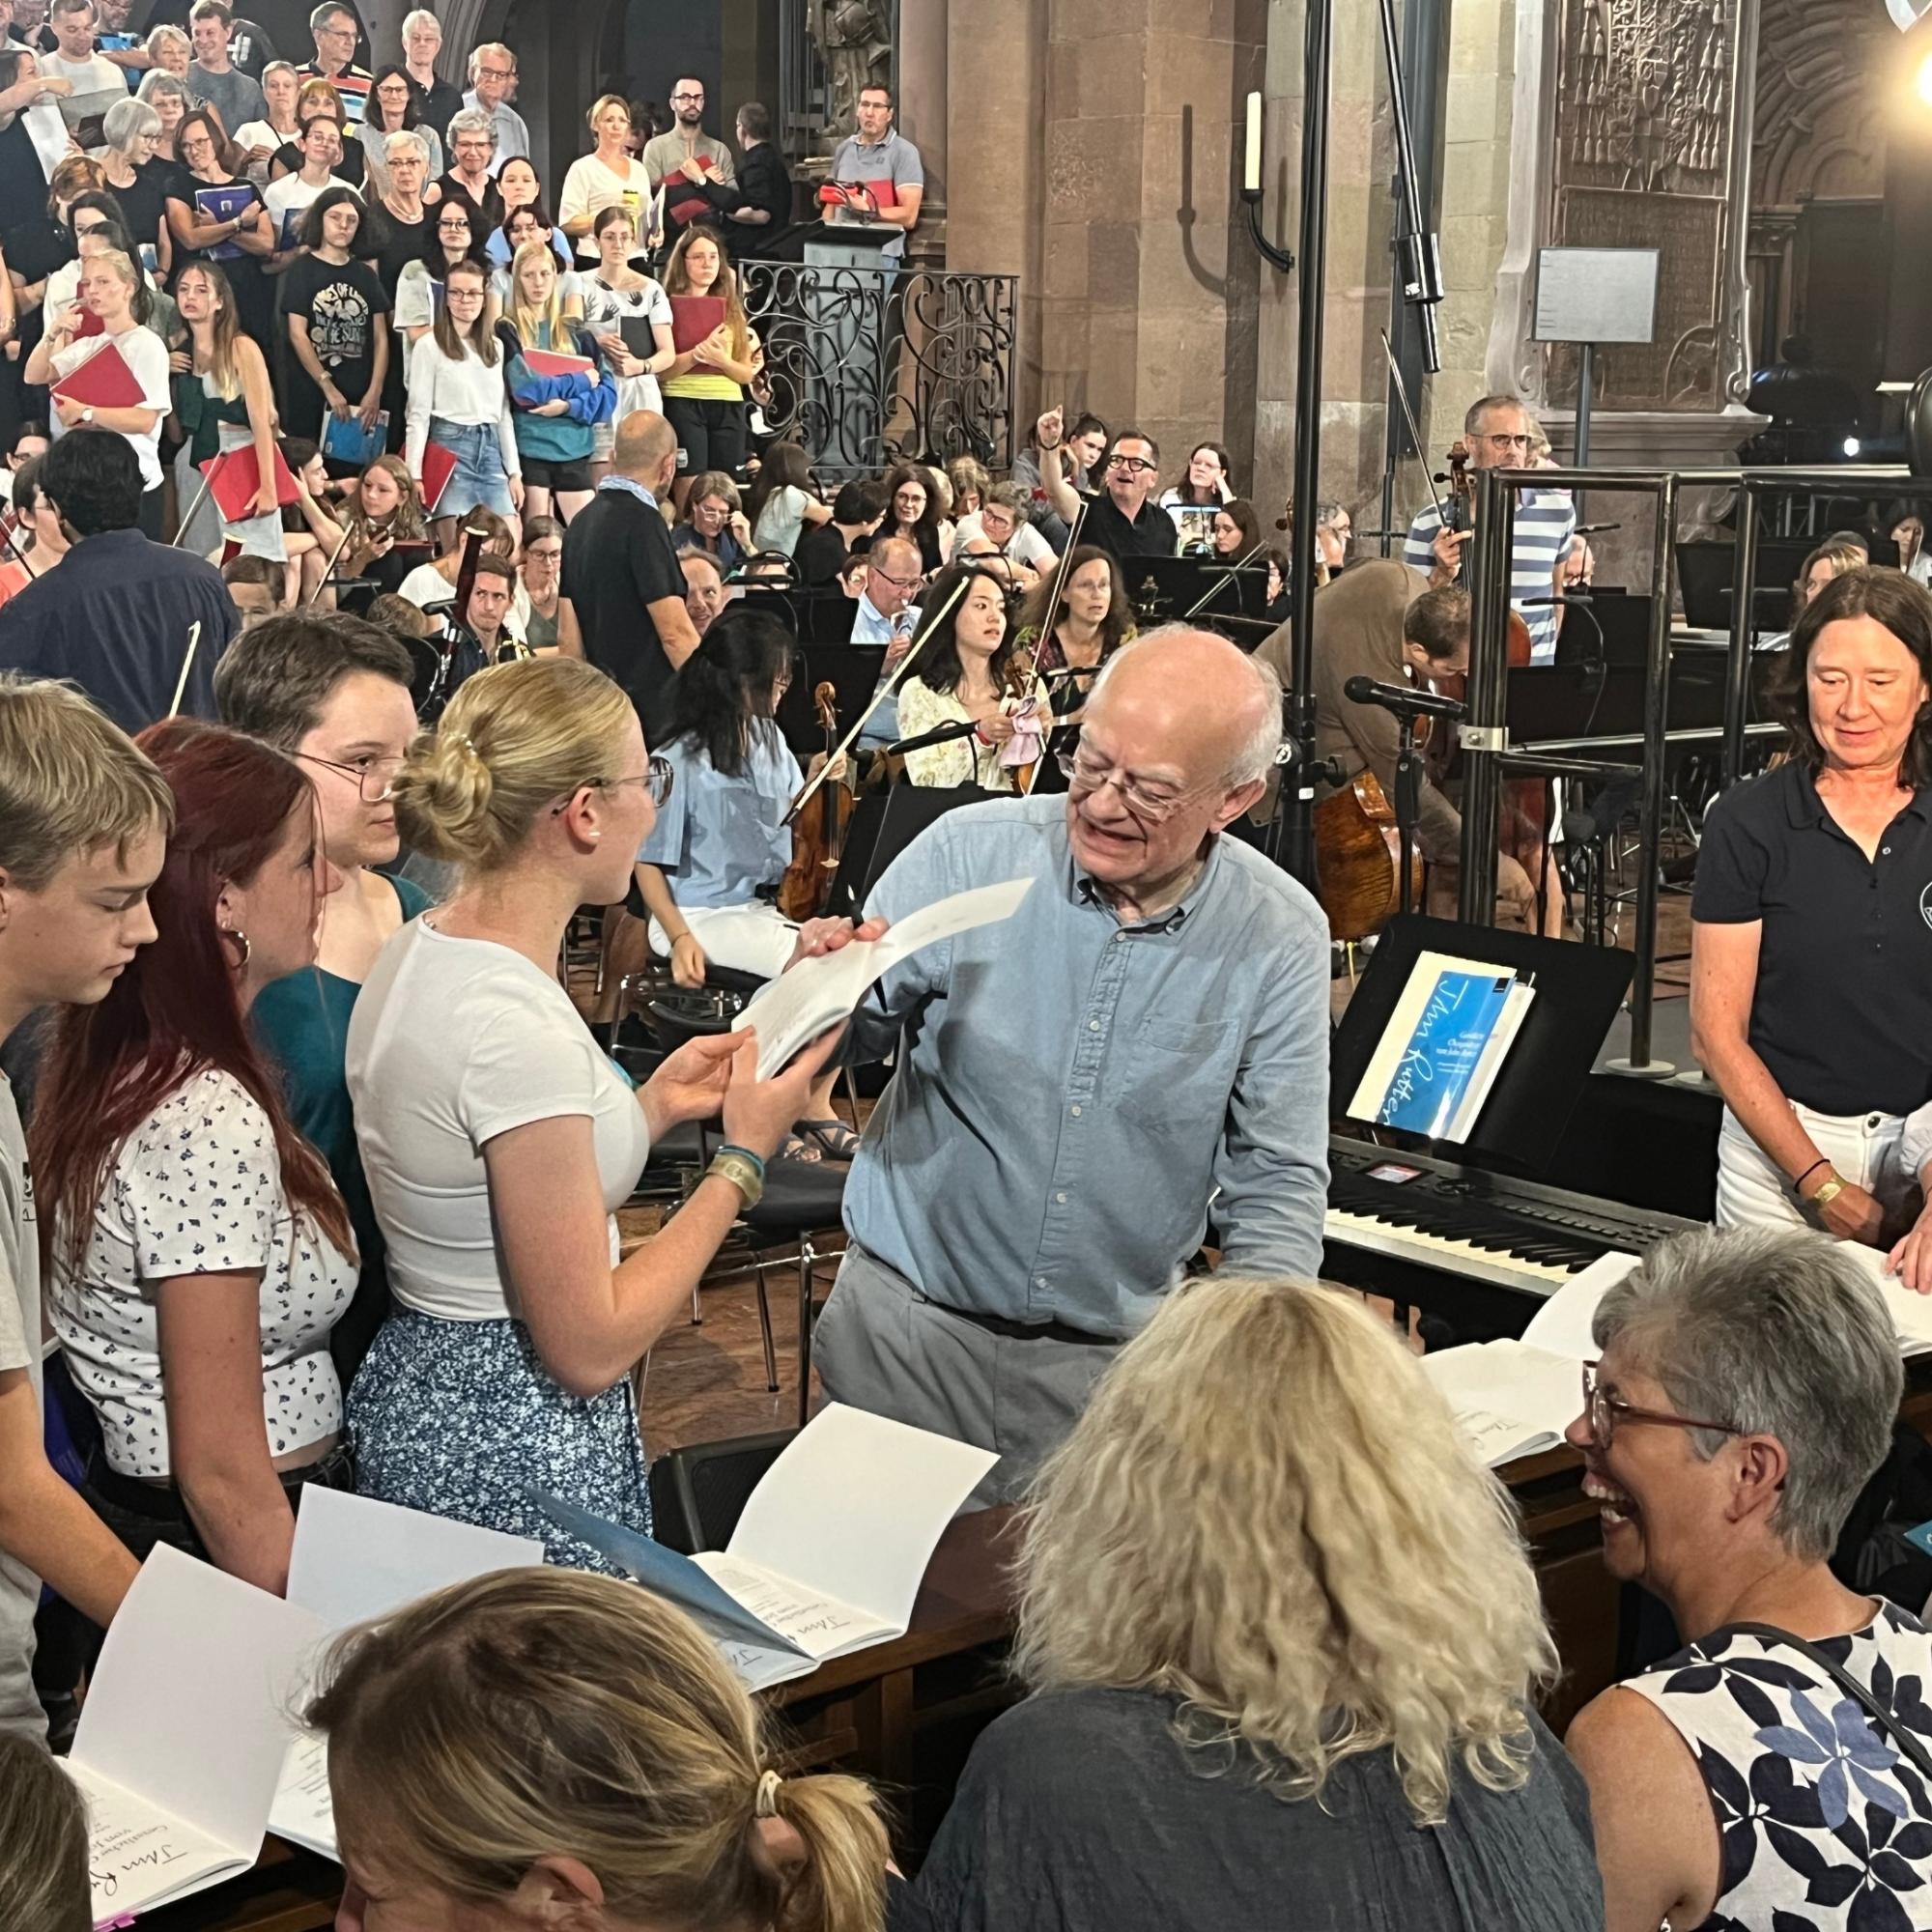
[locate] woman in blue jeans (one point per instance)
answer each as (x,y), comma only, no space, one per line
(459,403)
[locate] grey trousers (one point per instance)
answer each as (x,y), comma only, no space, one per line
(881,1346)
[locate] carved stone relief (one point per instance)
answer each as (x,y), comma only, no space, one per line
(1819,67)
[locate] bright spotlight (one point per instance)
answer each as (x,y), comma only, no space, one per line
(1851,446)
(1926,79)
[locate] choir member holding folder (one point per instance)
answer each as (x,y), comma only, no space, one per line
(497,1139)
(1248,1712)
(116,380)
(459,403)
(718,353)
(83,822)
(559,385)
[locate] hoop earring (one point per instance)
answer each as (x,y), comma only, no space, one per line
(241,939)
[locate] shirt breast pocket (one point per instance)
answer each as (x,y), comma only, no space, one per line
(1179,1077)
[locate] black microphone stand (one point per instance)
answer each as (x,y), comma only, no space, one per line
(1407,805)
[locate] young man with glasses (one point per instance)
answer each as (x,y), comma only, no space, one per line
(1123,518)
(493,78)
(1148,1034)
(333,692)
(1501,435)
(697,172)
(877,153)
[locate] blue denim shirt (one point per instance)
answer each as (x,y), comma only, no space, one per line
(717,838)
(1076,1093)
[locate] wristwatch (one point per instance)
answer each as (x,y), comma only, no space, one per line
(87,416)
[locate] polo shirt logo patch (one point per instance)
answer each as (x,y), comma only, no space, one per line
(1925,904)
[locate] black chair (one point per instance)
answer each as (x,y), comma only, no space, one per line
(883,824)
(801,1198)
(698,1492)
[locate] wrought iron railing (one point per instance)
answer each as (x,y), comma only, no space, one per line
(871,366)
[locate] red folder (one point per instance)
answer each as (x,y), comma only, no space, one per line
(439,467)
(103,382)
(235,477)
(692,317)
(550,362)
(881,193)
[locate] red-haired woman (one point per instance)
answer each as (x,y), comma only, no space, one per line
(199,1250)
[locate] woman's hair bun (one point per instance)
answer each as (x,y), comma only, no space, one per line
(442,797)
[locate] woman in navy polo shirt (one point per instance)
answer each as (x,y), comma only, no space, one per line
(1811,950)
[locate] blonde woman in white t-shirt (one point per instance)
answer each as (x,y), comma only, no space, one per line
(497,1139)
(610,177)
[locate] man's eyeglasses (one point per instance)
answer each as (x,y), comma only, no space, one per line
(1134,465)
(886,576)
(1510,441)
(375,778)
(1090,775)
(495,73)
(1605,1411)
(687,99)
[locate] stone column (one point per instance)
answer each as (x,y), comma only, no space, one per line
(923,114)
(1148,285)
(1356,302)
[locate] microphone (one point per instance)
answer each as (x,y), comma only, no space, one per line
(1567,597)
(1401,698)
(940,734)
(1591,530)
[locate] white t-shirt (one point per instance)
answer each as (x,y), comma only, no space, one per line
(589,187)
(1026,545)
(145,355)
(20,1710)
(197,1189)
(780,520)
(454,1041)
(289,193)
(604,311)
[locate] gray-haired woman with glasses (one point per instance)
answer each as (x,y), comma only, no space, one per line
(498,1141)
(1774,1775)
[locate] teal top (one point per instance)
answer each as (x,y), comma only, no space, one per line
(302,1024)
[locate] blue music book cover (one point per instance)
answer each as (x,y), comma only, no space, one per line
(224,203)
(1440,1060)
(348,441)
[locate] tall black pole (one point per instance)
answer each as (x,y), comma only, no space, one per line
(1297,855)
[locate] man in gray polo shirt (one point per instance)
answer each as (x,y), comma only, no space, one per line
(878,153)
(1141,1048)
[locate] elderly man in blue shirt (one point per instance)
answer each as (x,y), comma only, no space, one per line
(1141,1048)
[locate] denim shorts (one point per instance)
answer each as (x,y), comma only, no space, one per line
(479,480)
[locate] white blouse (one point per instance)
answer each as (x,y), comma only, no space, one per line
(589,187)
(197,1189)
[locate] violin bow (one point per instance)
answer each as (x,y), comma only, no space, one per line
(1220,583)
(1416,433)
(1046,630)
(334,557)
(929,622)
(200,497)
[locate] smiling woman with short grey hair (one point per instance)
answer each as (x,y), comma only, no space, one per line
(1748,1390)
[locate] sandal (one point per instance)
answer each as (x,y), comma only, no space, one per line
(795,1149)
(834,1139)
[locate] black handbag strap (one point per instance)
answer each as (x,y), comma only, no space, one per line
(1909,1744)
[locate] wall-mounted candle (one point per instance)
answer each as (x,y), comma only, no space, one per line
(1251,169)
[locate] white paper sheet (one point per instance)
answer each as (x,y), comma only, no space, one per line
(355,1558)
(1562,1324)
(1510,1400)
(815,995)
(853,1507)
(303,1811)
(182,1737)
(1911,1312)
(819,1626)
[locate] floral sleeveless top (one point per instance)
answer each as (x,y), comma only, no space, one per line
(1825,1827)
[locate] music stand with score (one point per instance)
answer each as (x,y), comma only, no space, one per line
(1578,989)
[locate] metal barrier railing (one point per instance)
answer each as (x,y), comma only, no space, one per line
(1488,757)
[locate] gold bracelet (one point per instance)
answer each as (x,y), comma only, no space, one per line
(742,1173)
(1832,1186)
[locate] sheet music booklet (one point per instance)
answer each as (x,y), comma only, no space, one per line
(1444,1048)
(1516,1398)
(182,1731)
(355,1558)
(815,995)
(829,1554)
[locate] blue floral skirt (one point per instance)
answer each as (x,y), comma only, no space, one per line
(462,1419)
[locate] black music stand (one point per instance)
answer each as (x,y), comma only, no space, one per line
(1163,588)
(1578,989)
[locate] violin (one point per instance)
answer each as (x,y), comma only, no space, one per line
(817,837)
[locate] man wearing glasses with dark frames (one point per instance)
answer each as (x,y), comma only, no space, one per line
(1142,1047)
(335,31)
(1501,435)
(1123,518)
(703,175)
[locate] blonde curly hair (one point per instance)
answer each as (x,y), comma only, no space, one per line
(1268,1515)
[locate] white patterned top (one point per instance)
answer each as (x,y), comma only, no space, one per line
(1824,1826)
(197,1189)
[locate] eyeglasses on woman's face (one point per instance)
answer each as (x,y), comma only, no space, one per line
(375,778)
(1605,1409)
